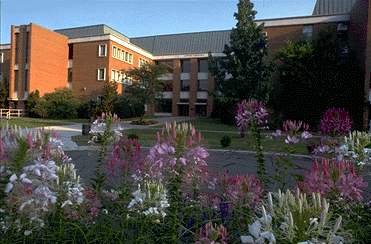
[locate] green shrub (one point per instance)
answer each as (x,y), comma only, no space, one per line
(32,99)
(133,136)
(63,104)
(226,141)
(86,110)
(123,108)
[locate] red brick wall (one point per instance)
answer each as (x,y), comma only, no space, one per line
(5,65)
(86,63)
(48,60)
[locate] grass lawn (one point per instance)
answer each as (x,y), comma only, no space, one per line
(33,122)
(147,137)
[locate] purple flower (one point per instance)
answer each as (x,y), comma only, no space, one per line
(250,110)
(278,133)
(291,139)
(335,121)
(306,135)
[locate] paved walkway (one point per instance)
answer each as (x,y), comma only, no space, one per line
(67,131)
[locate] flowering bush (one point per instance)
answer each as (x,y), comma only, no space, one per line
(251,112)
(212,234)
(291,130)
(357,148)
(144,122)
(326,147)
(288,218)
(335,122)
(336,181)
(39,178)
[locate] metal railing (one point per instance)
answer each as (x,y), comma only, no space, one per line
(12,113)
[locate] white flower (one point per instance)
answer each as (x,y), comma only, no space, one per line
(8,187)
(27,232)
(66,202)
(13,178)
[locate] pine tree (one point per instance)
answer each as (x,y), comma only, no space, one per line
(237,75)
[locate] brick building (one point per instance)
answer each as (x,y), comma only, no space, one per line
(82,58)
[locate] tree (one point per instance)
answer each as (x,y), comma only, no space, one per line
(146,83)
(4,93)
(237,75)
(313,77)
(32,99)
(109,95)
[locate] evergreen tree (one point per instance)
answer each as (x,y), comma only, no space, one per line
(109,95)
(4,93)
(237,75)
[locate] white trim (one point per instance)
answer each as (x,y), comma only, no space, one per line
(4,46)
(163,114)
(17,30)
(105,73)
(132,47)
(188,56)
(201,95)
(70,63)
(105,50)
(180,103)
(184,95)
(89,39)
(168,76)
(304,20)
(16,66)
(200,103)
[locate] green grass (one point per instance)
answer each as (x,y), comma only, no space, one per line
(147,138)
(33,122)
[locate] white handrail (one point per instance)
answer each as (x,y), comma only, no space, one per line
(12,113)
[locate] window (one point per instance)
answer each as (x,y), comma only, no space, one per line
(16,80)
(70,75)
(113,74)
(101,74)
(202,85)
(27,46)
(102,50)
(70,51)
(185,85)
(142,62)
(26,80)
(118,53)
(203,66)
(130,58)
(100,99)
(1,77)
(186,66)
(308,32)
(114,50)
(16,48)
(1,57)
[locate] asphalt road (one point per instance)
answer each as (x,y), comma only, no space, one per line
(234,162)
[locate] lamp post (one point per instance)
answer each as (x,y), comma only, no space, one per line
(262,46)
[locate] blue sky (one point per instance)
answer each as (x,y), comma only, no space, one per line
(142,17)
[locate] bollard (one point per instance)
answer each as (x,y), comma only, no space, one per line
(86,129)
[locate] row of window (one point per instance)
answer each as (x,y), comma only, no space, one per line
(202,66)
(120,76)
(142,62)
(185,85)
(122,55)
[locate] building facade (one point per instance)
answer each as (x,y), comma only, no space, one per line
(83,58)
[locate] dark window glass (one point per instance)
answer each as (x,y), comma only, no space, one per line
(16,80)
(185,85)
(27,45)
(26,80)
(186,66)
(70,51)
(202,65)
(202,85)
(17,48)
(165,106)
(168,85)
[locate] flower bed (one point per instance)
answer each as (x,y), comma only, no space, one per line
(144,122)
(171,195)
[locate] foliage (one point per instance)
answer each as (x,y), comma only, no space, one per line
(212,234)
(336,181)
(237,75)
(326,147)
(61,104)
(282,162)
(289,218)
(133,136)
(32,99)
(146,85)
(4,93)
(252,114)
(335,122)
(226,141)
(357,148)
(86,110)
(313,77)
(38,180)
(242,61)
(109,96)
(144,122)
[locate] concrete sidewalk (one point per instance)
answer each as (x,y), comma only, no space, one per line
(66,132)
